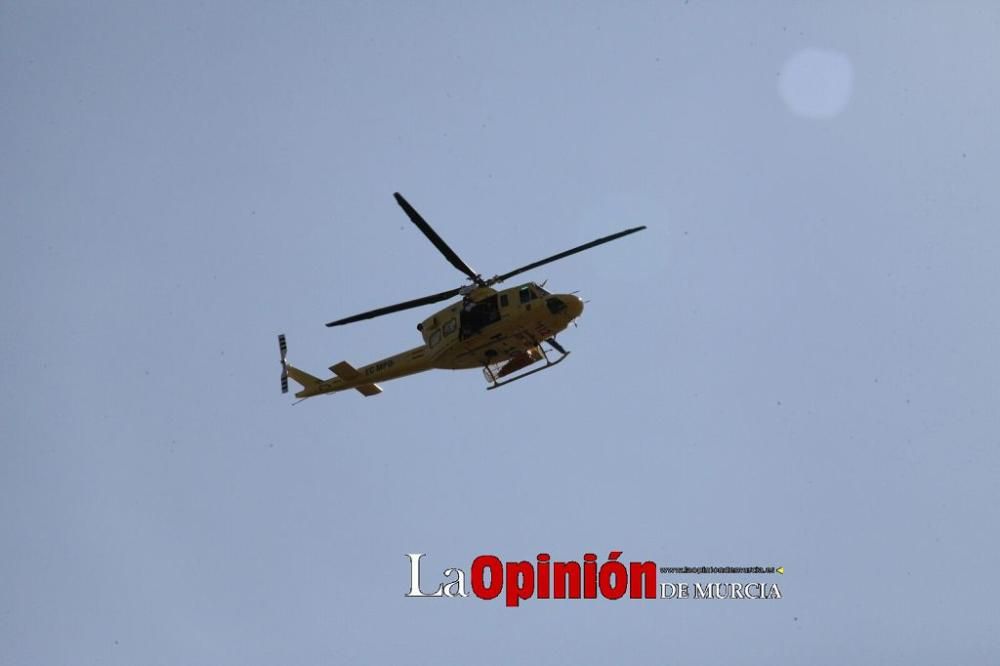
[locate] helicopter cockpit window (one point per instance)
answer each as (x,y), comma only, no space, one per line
(527,295)
(541,290)
(555,305)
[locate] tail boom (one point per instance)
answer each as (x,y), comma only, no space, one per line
(347,377)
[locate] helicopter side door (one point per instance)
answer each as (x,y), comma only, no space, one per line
(476,316)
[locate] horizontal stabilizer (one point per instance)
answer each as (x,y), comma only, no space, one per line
(368,390)
(345,371)
(349,373)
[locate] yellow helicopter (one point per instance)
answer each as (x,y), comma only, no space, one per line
(500,331)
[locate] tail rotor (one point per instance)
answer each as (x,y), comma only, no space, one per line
(283,348)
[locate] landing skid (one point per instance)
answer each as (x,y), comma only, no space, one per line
(548,364)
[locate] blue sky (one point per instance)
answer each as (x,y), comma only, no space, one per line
(794,364)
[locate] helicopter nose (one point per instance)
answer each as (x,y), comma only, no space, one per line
(566,305)
(574,305)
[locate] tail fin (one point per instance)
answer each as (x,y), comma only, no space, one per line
(288,370)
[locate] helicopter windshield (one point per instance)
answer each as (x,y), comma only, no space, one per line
(539,289)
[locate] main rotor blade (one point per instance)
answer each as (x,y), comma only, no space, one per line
(432,236)
(417,302)
(563,255)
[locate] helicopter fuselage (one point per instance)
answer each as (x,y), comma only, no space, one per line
(488,326)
